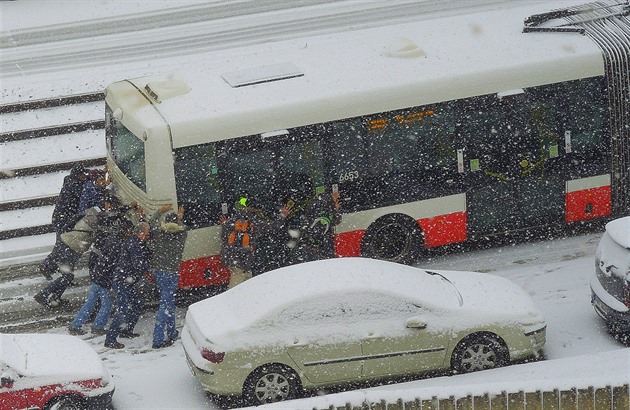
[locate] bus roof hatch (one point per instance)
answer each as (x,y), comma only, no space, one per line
(262,74)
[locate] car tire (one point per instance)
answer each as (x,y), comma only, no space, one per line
(66,403)
(478,352)
(393,237)
(271,383)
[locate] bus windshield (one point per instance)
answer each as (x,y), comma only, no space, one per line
(128,153)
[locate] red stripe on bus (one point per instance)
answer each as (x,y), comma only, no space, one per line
(192,273)
(349,243)
(444,229)
(439,230)
(588,204)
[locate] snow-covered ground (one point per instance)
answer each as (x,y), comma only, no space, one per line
(555,273)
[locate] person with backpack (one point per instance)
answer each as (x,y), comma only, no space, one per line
(168,237)
(74,243)
(239,234)
(311,222)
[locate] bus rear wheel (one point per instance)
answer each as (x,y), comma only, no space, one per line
(393,237)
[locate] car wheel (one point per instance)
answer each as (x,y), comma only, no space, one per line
(393,237)
(65,403)
(479,352)
(271,383)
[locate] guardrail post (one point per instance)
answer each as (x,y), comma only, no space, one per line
(431,404)
(603,398)
(568,399)
(382,405)
(413,405)
(481,402)
(447,404)
(499,401)
(395,406)
(516,401)
(464,403)
(533,400)
(586,399)
(621,397)
(551,400)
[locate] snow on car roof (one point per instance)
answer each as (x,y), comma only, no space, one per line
(248,302)
(619,231)
(50,355)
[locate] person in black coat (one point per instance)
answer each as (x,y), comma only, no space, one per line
(132,263)
(67,206)
(65,215)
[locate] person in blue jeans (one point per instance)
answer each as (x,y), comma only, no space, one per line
(132,263)
(103,257)
(168,236)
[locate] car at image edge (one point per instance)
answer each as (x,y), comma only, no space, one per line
(348,320)
(52,372)
(610,286)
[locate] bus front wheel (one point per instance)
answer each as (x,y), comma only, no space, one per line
(393,237)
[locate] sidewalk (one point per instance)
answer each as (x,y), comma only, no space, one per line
(595,371)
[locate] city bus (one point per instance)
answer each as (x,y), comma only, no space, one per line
(434,133)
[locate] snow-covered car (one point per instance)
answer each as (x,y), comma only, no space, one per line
(610,287)
(345,320)
(52,372)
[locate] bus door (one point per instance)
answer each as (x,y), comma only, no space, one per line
(270,167)
(267,166)
(512,178)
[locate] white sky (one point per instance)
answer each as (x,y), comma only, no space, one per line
(579,351)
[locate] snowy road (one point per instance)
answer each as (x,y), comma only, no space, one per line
(556,273)
(199,28)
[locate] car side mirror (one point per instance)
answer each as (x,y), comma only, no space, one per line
(415,323)
(6,381)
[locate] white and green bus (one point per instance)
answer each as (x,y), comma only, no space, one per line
(435,133)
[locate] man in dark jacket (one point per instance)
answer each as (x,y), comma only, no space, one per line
(65,214)
(132,263)
(67,206)
(240,233)
(103,257)
(94,190)
(168,237)
(311,223)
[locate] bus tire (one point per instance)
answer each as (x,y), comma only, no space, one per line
(393,237)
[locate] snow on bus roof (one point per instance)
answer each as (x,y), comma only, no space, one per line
(363,72)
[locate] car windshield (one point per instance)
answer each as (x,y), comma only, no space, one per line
(451,286)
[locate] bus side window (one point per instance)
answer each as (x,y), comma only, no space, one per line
(249,168)
(302,158)
(588,115)
(197,183)
(347,153)
(438,145)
